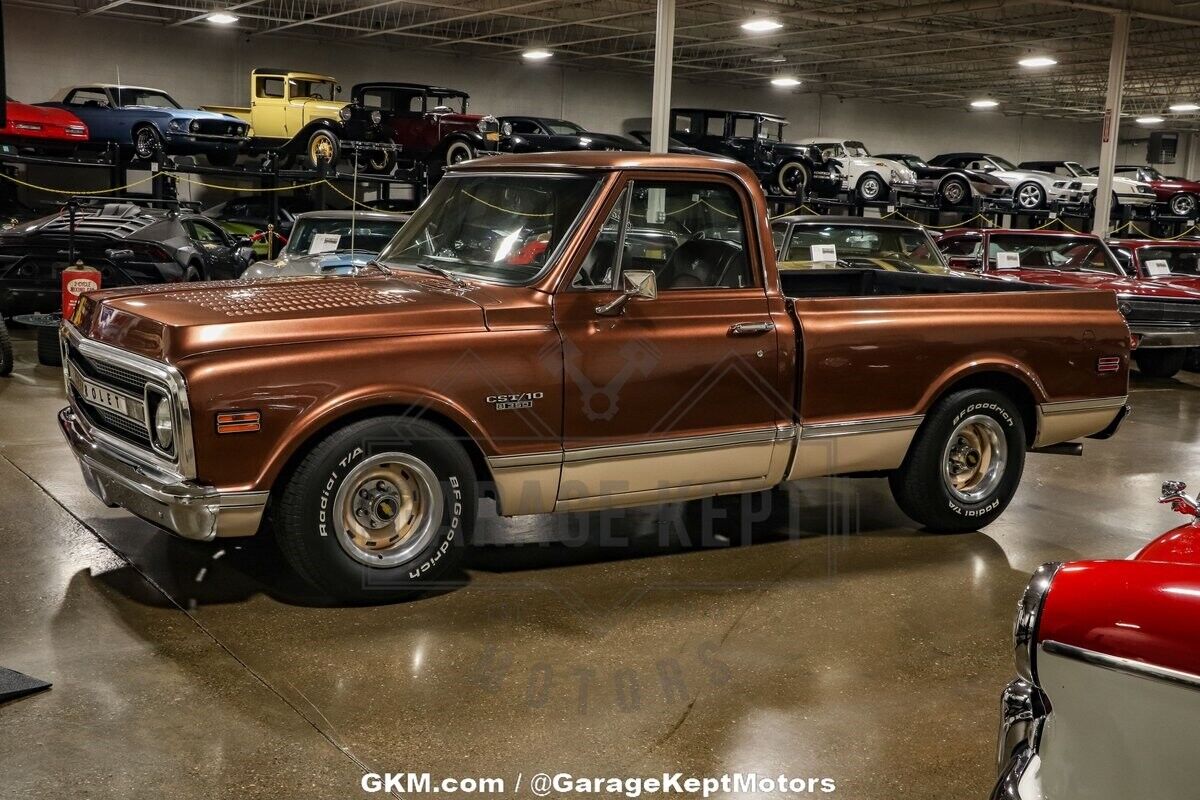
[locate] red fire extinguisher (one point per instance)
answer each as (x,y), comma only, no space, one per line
(76,280)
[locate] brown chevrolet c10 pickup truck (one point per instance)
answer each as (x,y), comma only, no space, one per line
(567,332)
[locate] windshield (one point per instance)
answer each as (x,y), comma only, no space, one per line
(1158,261)
(145,97)
(772,131)
(1076,169)
(1001,163)
(316,90)
(316,235)
(861,247)
(1153,174)
(561,127)
(1058,253)
(502,228)
(857,150)
(457,103)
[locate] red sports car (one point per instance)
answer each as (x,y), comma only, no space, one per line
(1164,318)
(41,128)
(1107,702)
(1177,194)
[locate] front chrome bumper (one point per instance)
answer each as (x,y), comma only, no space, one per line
(185,508)
(1022,718)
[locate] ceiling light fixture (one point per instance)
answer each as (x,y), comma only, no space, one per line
(774,58)
(785,80)
(761,25)
(1185,107)
(223,18)
(536,54)
(984,103)
(1033,62)
(1149,120)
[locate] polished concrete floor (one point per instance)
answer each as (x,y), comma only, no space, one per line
(840,643)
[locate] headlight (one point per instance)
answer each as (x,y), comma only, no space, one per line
(893,177)
(376,117)
(1029,614)
(506,129)
(174,125)
(1059,184)
(345,113)
(164,425)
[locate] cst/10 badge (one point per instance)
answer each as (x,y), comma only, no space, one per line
(512,402)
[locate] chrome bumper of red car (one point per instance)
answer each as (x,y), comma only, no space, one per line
(1021,721)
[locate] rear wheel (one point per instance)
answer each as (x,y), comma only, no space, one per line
(964,465)
(792,178)
(955,192)
(6,351)
(193,274)
(48,354)
(379,510)
(1160,362)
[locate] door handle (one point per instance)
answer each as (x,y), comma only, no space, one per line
(750,328)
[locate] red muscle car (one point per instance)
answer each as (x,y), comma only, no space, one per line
(1163,317)
(41,127)
(1108,657)
(1177,194)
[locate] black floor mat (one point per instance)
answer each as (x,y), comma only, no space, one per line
(16,684)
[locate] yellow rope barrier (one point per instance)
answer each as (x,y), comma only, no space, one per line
(505,210)
(81,192)
(194,182)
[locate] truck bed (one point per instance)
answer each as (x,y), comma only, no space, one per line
(873,282)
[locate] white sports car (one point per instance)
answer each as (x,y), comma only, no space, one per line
(1032,189)
(868,177)
(1126,192)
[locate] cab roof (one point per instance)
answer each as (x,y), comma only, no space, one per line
(607,160)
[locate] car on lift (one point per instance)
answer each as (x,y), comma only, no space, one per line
(130,241)
(843,242)
(143,122)
(871,179)
(1177,196)
(546,134)
(295,114)
(331,243)
(429,123)
(1032,189)
(755,138)
(954,187)
(1164,318)
(1126,191)
(1107,659)
(42,129)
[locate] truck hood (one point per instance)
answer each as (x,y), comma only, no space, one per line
(170,322)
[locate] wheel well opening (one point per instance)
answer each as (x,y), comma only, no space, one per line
(483,474)
(1008,386)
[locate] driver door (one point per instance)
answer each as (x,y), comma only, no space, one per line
(679,395)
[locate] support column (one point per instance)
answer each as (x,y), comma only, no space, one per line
(1111,126)
(664,46)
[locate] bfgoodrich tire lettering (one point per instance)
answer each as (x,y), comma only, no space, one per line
(340,523)
(954,439)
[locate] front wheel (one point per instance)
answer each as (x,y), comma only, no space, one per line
(379,510)
(146,142)
(323,146)
(1030,196)
(964,465)
(1183,205)
(792,178)
(871,188)
(955,192)
(1160,362)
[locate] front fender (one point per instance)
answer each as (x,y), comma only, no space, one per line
(299,142)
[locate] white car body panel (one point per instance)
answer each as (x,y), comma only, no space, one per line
(898,176)
(1113,735)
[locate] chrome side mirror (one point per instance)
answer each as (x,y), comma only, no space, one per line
(1174,494)
(637,283)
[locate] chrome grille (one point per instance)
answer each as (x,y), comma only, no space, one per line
(110,374)
(115,424)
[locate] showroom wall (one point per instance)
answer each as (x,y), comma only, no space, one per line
(201,64)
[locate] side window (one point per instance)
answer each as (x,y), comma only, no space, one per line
(681,123)
(87,97)
(205,234)
(714,126)
(596,271)
(743,127)
(778,235)
(525,126)
(380,100)
(961,247)
(1124,257)
(268,86)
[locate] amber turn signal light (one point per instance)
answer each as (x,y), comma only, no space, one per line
(239,422)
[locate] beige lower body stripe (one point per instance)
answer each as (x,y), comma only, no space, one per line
(1071,419)
(857,446)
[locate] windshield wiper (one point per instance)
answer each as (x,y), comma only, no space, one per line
(436,270)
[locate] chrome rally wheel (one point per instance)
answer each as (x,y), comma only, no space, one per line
(388,508)
(974,459)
